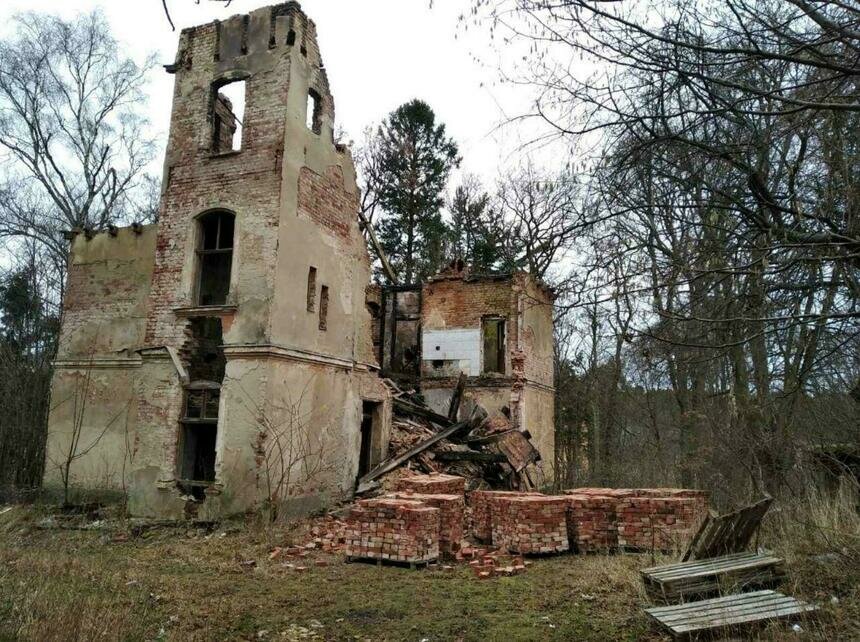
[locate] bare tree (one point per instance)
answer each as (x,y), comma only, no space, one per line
(726,180)
(540,217)
(296,450)
(74,144)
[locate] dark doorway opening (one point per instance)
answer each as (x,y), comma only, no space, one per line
(493,330)
(371,412)
(198,432)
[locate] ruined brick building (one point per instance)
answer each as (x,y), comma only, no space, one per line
(228,354)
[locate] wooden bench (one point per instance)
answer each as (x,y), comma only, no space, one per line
(733,611)
(726,574)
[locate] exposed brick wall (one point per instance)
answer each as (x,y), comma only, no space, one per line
(324,200)
(247,182)
(454,303)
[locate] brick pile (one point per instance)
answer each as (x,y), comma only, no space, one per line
(530,524)
(661,523)
(432,484)
(591,525)
(398,530)
(451,517)
(606,518)
(480,511)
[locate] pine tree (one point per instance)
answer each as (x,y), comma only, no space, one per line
(416,158)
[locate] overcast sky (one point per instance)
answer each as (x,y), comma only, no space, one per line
(378,54)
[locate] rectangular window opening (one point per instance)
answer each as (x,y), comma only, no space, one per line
(228,117)
(323,307)
(197,438)
(314,112)
(493,335)
(312,288)
(215,256)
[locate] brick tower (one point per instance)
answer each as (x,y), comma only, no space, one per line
(256,340)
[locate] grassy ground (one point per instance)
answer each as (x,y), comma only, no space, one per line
(192,585)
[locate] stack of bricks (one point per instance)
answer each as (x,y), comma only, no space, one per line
(398,530)
(657,523)
(530,524)
(481,512)
(451,515)
(591,523)
(636,518)
(432,484)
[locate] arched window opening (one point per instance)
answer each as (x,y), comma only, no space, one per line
(215,257)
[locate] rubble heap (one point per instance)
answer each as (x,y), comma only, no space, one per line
(484,451)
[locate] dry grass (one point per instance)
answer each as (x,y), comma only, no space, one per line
(180,584)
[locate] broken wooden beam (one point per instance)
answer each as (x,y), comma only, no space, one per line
(420,411)
(456,397)
(377,247)
(390,464)
(470,455)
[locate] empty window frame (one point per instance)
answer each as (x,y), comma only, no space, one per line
(323,307)
(312,288)
(314,112)
(228,116)
(215,257)
(493,335)
(199,428)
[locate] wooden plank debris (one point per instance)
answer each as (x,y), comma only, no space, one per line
(730,612)
(725,534)
(390,464)
(420,411)
(726,574)
(456,398)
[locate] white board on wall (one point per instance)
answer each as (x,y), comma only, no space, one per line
(462,345)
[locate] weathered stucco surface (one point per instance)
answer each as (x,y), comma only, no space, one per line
(291,372)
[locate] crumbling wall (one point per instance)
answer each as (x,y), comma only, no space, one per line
(454,308)
(92,391)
